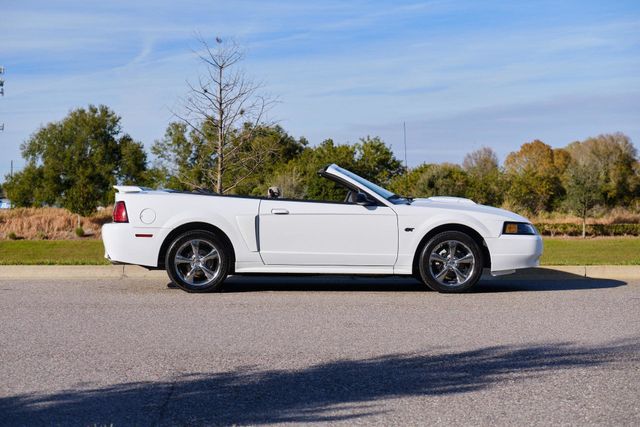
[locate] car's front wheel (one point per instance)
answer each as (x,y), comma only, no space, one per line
(198,261)
(451,261)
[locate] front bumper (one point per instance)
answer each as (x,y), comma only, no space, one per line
(513,252)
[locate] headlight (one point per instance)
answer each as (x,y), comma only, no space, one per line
(519,228)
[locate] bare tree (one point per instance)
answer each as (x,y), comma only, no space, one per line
(483,160)
(226,110)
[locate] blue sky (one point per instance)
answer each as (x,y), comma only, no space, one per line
(462,74)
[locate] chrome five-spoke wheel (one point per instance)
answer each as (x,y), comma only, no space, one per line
(198,261)
(450,261)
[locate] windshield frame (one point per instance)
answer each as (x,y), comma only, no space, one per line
(374,188)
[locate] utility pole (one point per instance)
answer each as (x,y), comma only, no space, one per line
(2,94)
(404,128)
(1,91)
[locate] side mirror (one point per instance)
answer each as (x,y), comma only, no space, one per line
(364,200)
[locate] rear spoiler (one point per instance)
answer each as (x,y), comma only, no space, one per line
(130,189)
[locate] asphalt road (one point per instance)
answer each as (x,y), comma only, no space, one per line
(319,350)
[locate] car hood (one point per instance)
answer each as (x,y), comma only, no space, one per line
(461,204)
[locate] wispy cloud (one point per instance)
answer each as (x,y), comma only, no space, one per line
(557,121)
(459,72)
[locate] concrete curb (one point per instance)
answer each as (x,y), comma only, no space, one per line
(77,272)
(565,272)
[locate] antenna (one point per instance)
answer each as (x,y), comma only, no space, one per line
(404,128)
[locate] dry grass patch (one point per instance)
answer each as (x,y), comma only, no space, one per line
(49,223)
(610,216)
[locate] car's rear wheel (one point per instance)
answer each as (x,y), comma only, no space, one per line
(198,261)
(451,261)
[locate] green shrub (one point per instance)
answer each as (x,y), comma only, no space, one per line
(12,236)
(79,231)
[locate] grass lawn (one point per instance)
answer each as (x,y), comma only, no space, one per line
(595,251)
(68,252)
(557,251)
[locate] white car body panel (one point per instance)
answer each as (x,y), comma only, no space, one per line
(308,232)
(296,236)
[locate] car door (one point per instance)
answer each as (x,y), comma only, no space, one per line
(325,233)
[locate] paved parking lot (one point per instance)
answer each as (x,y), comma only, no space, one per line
(320,349)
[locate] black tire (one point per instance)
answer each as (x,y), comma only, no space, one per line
(180,261)
(450,272)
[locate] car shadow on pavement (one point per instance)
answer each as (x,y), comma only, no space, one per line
(332,391)
(544,281)
(256,283)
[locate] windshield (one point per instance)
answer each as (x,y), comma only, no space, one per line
(388,195)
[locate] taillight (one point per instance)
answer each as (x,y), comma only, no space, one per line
(120,212)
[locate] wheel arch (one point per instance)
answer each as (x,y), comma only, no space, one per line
(195,226)
(486,255)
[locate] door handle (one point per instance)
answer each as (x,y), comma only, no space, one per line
(279,211)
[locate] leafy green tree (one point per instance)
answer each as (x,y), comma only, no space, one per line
(444,179)
(485,184)
(370,157)
(183,157)
(406,184)
(479,179)
(375,161)
(635,184)
(312,159)
(613,158)
(132,163)
(24,187)
(74,162)
(291,183)
(81,196)
(261,153)
(584,190)
(533,175)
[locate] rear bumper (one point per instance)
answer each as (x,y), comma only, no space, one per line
(514,252)
(122,246)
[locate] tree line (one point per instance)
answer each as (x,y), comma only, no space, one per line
(75,162)
(222,141)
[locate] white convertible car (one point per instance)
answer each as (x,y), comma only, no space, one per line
(200,239)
